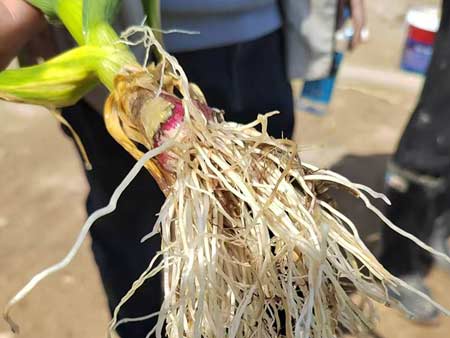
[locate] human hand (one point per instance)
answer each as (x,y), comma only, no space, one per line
(19,23)
(359,20)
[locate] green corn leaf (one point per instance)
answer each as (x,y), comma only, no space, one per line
(46,6)
(152,9)
(70,12)
(58,82)
(65,79)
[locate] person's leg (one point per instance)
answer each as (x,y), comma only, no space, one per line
(263,85)
(423,155)
(417,181)
(245,80)
(414,208)
(120,256)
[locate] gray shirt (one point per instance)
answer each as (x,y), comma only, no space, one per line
(217,22)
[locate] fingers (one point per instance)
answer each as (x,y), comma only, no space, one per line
(19,23)
(21,14)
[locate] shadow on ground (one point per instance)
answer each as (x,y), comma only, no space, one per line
(368,170)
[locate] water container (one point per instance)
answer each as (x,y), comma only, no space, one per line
(423,23)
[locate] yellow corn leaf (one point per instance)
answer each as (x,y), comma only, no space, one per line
(58,82)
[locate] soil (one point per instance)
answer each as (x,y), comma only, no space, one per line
(43,188)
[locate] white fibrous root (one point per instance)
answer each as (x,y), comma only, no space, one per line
(251,243)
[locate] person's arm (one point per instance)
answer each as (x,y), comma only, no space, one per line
(19,23)
(359,19)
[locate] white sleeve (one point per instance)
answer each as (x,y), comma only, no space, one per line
(309,27)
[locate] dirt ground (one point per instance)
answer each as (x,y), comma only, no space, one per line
(43,190)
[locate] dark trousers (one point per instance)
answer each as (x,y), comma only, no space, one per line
(245,79)
(424,149)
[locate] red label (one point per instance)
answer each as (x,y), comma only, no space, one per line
(420,35)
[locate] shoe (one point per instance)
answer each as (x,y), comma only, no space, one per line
(439,239)
(418,309)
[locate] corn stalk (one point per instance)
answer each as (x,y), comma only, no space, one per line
(152,9)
